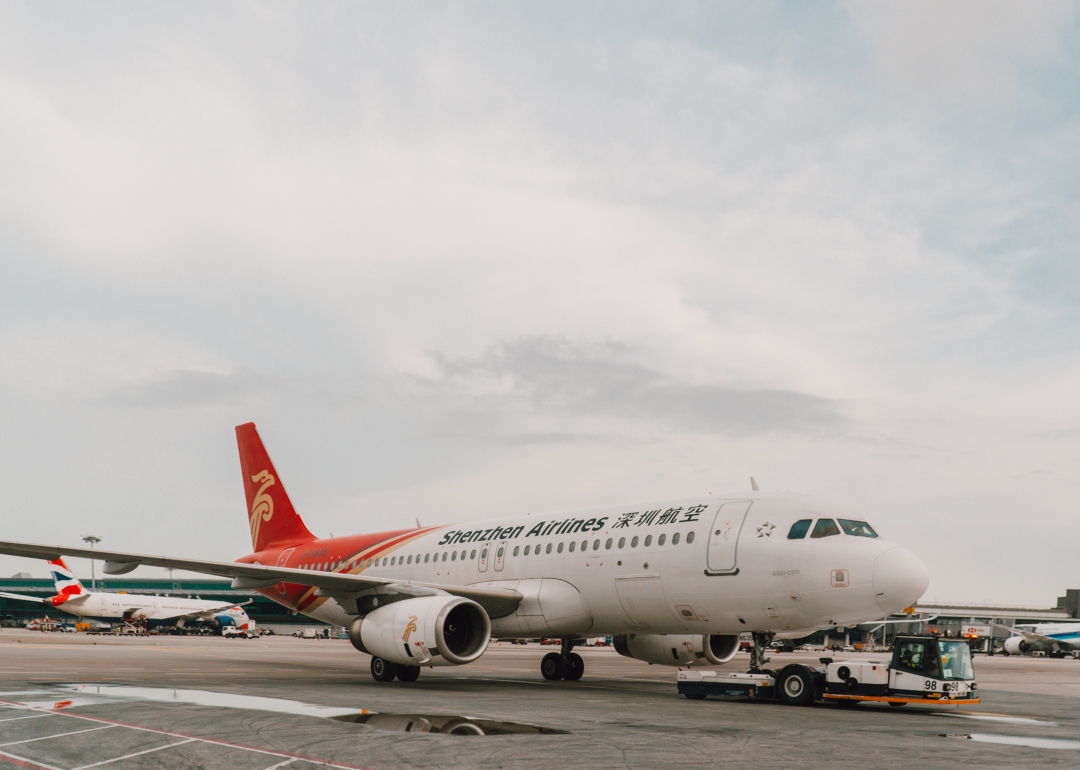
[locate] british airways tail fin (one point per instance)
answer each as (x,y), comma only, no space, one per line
(67,585)
(271,515)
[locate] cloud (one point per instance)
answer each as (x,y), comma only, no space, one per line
(580,381)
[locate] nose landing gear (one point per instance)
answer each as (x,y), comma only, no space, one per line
(566,665)
(757,652)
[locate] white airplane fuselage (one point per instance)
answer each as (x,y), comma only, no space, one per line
(714,566)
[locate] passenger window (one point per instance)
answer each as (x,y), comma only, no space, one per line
(409,561)
(453,556)
(548,549)
(573,545)
(675,539)
(648,540)
(825,528)
(633,543)
(661,539)
(384,561)
(607,545)
(527,549)
(483,553)
(622,542)
(559,549)
(427,556)
(499,553)
(444,554)
(473,554)
(596,545)
(515,550)
(857,528)
(464,555)
(689,537)
(799,529)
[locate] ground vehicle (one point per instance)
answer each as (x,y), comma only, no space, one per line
(923,669)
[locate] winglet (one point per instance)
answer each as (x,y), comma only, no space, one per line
(753,485)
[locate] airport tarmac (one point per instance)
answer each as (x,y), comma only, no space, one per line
(74,701)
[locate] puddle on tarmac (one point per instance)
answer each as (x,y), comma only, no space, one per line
(1017,740)
(446,725)
(74,695)
(993,718)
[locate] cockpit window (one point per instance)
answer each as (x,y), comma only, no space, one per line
(857,528)
(825,528)
(799,529)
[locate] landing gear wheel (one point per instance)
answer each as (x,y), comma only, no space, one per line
(796,687)
(408,673)
(553,666)
(383,670)
(575,667)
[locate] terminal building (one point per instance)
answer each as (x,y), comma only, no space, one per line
(981,624)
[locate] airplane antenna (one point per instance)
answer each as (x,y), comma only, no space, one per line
(753,485)
(418,524)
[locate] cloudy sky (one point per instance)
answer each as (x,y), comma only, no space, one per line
(465,260)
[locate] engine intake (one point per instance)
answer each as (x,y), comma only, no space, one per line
(678,649)
(424,631)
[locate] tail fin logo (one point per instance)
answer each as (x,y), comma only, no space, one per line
(66,583)
(262,505)
(409,629)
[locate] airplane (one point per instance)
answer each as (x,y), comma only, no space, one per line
(674,582)
(72,597)
(1057,639)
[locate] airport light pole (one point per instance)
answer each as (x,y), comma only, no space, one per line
(92,540)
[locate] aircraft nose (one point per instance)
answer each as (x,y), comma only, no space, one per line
(900,578)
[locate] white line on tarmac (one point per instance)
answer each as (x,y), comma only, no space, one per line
(32,716)
(31,762)
(58,735)
(135,754)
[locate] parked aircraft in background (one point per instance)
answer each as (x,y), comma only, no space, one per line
(674,582)
(1057,639)
(72,597)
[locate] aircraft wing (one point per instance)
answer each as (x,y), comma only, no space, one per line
(1032,638)
(498,602)
(22,598)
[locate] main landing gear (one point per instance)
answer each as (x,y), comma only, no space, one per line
(757,652)
(563,665)
(383,670)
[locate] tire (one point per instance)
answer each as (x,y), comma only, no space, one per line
(553,667)
(575,667)
(383,670)
(796,688)
(408,673)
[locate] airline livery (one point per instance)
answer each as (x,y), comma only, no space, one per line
(674,582)
(72,597)
(1057,639)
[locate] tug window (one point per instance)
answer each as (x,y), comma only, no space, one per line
(857,528)
(825,528)
(799,529)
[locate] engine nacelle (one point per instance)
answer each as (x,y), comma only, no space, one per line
(678,649)
(1016,645)
(425,631)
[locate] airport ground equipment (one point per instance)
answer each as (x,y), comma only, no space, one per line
(924,669)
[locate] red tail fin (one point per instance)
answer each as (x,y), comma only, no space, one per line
(270,512)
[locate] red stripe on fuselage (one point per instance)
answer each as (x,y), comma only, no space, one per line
(339,549)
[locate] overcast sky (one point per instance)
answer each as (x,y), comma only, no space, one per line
(467,260)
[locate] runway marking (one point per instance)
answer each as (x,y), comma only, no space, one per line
(28,762)
(281,764)
(16,719)
(134,754)
(212,741)
(58,735)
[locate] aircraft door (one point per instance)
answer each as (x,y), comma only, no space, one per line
(281,562)
(500,556)
(724,538)
(484,558)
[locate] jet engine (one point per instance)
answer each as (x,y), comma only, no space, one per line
(1016,645)
(678,649)
(424,631)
